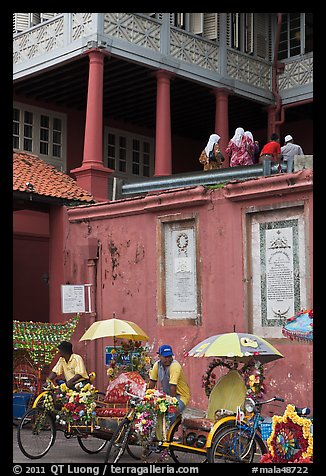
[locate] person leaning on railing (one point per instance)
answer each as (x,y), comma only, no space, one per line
(271,150)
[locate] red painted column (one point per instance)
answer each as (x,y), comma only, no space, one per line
(222,120)
(92,175)
(163,149)
(94,113)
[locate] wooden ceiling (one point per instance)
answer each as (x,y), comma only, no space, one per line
(130,95)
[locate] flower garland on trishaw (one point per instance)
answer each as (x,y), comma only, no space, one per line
(73,407)
(252,373)
(152,416)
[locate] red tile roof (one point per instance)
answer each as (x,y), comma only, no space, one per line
(33,175)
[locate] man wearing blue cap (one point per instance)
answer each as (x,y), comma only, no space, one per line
(168,376)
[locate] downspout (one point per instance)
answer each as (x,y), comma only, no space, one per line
(275,67)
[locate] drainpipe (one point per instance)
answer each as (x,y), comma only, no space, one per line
(292,104)
(275,72)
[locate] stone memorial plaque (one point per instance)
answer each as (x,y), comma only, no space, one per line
(180,268)
(278,271)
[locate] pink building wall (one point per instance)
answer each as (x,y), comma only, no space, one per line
(126,273)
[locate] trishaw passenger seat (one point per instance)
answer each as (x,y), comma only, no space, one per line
(116,402)
(228,393)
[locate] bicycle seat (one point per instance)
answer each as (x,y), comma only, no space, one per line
(302,411)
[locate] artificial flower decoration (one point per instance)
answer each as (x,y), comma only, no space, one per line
(152,415)
(291,440)
(252,372)
(138,359)
(209,377)
(71,406)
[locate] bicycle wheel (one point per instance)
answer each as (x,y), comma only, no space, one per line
(36,433)
(118,442)
(186,455)
(234,445)
(90,444)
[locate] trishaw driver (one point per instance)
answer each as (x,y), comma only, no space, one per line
(71,365)
(168,376)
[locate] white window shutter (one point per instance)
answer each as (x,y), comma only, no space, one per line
(261,35)
(48,16)
(210,26)
(249,33)
(196,23)
(180,20)
(35,18)
(20,22)
(228,29)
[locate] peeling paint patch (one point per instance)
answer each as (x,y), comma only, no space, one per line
(140,253)
(115,255)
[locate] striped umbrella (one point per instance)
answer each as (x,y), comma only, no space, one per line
(242,346)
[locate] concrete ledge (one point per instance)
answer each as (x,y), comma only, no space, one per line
(303,162)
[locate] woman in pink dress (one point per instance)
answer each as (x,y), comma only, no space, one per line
(238,149)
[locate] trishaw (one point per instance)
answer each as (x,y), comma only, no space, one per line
(49,413)
(228,431)
(218,436)
(38,427)
(35,345)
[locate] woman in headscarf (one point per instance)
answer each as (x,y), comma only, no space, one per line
(250,145)
(211,157)
(237,149)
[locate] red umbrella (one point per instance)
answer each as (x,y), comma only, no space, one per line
(116,389)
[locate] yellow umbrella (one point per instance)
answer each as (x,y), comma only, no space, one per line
(116,328)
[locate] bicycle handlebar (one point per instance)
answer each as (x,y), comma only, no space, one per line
(273,399)
(132,395)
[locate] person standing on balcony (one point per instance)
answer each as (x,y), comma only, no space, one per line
(237,149)
(289,149)
(271,150)
(211,157)
(251,145)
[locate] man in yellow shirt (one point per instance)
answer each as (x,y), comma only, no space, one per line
(70,365)
(168,376)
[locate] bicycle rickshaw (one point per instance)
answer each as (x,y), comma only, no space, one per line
(87,415)
(229,431)
(201,439)
(35,345)
(54,410)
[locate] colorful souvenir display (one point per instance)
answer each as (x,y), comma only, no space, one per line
(40,339)
(291,440)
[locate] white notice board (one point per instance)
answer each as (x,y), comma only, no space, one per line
(72,298)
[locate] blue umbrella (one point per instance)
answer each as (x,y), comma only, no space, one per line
(300,327)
